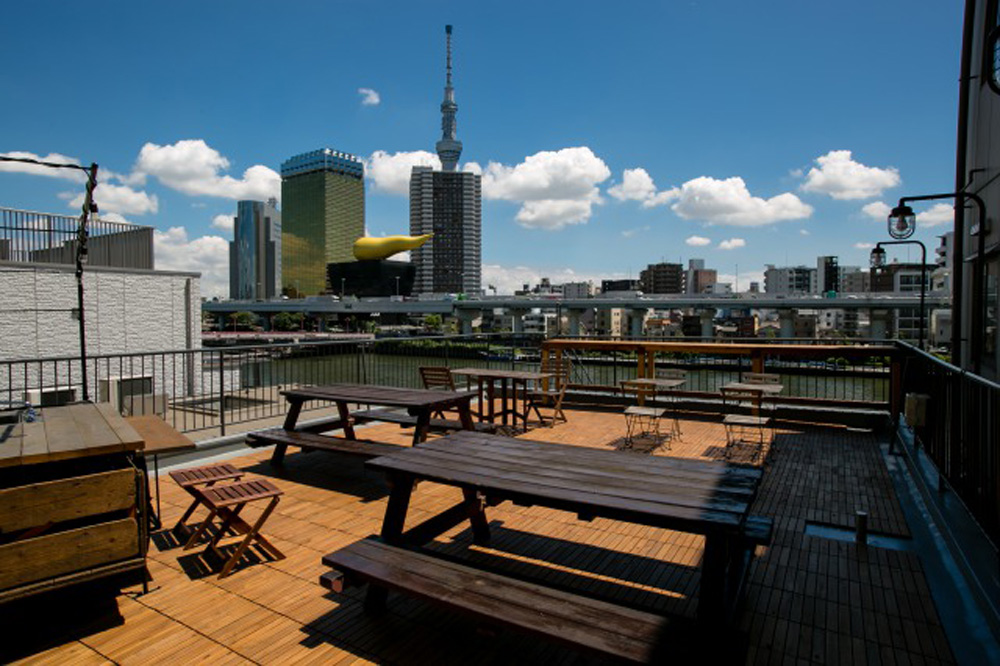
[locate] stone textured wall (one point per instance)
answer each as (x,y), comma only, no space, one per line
(126,312)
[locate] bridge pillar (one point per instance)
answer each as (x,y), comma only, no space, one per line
(636,318)
(786,319)
(518,315)
(707,316)
(573,315)
(466,318)
(879,328)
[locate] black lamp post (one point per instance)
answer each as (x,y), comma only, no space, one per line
(877,260)
(89,206)
(902,223)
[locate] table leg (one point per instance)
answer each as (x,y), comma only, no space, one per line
(345,419)
(400,491)
(474,505)
(712,600)
(422,427)
(465,415)
(294,409)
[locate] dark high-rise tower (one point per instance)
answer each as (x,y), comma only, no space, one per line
(447,203)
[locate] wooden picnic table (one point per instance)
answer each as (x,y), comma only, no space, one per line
(419,403)
(508,380)
(701,497)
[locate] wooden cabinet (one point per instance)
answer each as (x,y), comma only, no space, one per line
(71,500)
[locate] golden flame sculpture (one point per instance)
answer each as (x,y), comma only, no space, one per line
(367,248)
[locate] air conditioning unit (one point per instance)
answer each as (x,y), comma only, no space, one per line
(125,392)
(51,396)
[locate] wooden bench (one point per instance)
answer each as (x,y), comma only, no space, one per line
(408,420)
(308,441)
(597,626)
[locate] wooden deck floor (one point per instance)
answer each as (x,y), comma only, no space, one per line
(809,600)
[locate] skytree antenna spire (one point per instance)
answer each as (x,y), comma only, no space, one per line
(449,149)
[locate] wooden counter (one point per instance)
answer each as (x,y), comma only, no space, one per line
(71,500)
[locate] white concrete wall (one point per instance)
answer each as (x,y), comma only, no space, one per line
(126,312)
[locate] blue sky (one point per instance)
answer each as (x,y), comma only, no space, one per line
(609,135)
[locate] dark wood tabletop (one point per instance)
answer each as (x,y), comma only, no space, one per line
(497,373)
(368,394)
(69,431)
(691,495)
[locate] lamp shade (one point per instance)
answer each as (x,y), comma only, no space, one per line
(877,259)
(902,222)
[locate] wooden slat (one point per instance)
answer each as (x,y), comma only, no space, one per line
(592,624)
(667,489)
(92,426)
(65,499)
(57,554)
(380,395)
(60,432)
(157,435)
(127,436)
(358,447)
(591,488)
(575,500)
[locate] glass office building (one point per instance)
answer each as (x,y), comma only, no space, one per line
(255,251)
(323,211)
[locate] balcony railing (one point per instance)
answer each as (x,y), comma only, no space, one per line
(954,415)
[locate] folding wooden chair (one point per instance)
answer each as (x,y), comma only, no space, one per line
(551,391)
(207,475)
(741,426)
(226,502)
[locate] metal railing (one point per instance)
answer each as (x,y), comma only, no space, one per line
(30,237)
(958,425)
(215,388)
(811,372)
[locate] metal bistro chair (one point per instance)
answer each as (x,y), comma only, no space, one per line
(672,373)
(551,391)
(744,420)
(642,420)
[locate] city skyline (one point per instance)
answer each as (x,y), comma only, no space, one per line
(606,142)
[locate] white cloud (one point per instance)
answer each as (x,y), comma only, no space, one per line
(637,185)
(39,170)
(877,210)
(732,244)
(114,217)
(936,215)
(804,232)
(741,282)
(224,223)
(193,167)
(112,198)
(629,233)
(864,246)
(730,202)
(698,241)
(390,172)
(208,255)
(842,178)
(554,188)
(369,97)
(508,279)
